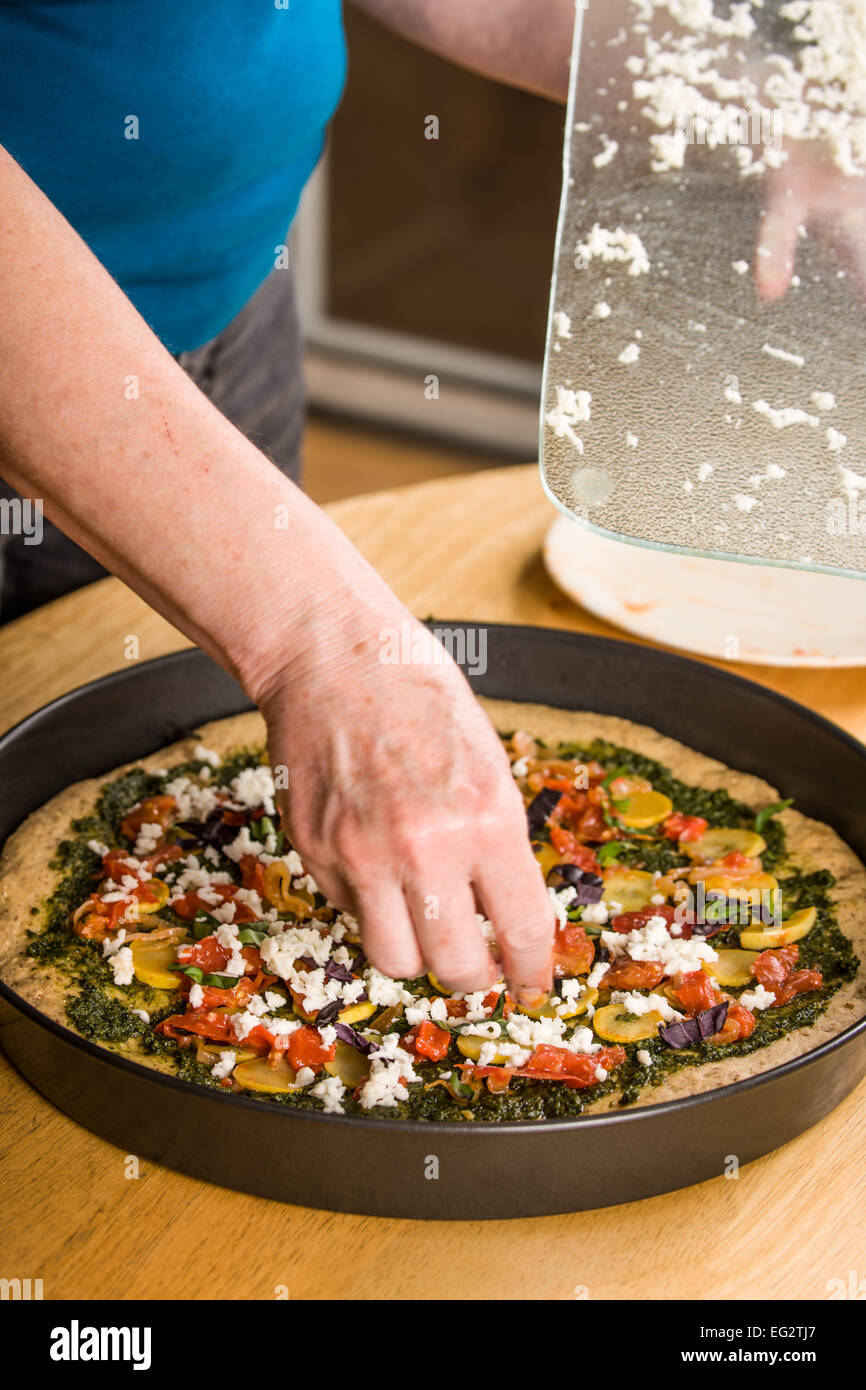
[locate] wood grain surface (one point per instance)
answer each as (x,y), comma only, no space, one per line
(74,1214)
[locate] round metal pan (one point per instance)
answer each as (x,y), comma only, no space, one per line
(387,1168)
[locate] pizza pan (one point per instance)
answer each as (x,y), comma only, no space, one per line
(441,1170)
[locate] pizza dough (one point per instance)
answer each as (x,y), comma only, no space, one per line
(27,880)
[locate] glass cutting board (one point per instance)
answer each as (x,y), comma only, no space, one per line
(698,395)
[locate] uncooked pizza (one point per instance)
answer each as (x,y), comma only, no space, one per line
(705,931)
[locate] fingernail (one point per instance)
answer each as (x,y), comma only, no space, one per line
(533,998)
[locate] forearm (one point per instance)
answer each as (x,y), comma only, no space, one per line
(524,42)
(134,463)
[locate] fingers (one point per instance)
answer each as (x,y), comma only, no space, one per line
(387,932)
(450,937)
(776,251)
(332,884)
(517,903)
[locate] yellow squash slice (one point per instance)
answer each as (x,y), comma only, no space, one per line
(152,960)
(714,844)
(471,1047)
(259,1075)
(798,925)
(546,855)
(356,1013)
(610,1025)
(350,1065)
(576,1006)
(631,888)
(732,969)
(642,810)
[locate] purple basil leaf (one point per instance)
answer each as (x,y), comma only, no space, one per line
(212,831)
(687,1031)
(712,1020)
(335,971)
(540,808)
(351,1036)
(680,1034)
(590,890)
(589,886)
(328,1013)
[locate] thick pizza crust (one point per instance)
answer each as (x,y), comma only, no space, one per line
(26,879)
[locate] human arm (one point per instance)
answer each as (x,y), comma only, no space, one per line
(398,790)
(524,42)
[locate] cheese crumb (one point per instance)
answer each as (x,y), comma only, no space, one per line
(758,998)
(619,245)
(744,503)
(783,356)
(607,153)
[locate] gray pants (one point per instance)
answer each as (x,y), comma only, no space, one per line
(252,372)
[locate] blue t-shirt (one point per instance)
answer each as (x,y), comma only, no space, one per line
(229,100)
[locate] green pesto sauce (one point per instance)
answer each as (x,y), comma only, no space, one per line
(102,1011)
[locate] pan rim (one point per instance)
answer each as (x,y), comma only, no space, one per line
(631,1115)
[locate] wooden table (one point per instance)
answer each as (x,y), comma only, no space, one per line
(456,548)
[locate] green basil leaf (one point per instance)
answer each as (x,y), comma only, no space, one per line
(763,816)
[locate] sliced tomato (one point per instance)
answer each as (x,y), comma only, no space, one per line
(428,1041)
(625,973)
(740,1023)
(95,924)
(575,1069)
(190,904)
(458,1008)
(107,916)
(737,860)
(253,982)
(564,785)
(696,992)
(798,982)
(681,827)
(118,862)
(252,873)
(206,1023)
(573,952)
(306,1049)
(572,805)
(208,955)
(773,967)
(634,921)
(774,970)
(571,851)
(154,810)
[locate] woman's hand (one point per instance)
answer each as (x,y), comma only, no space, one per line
(402,804)
(809,191)
(400,798)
